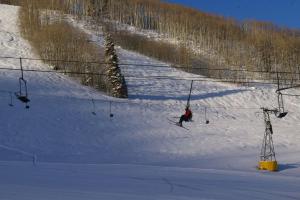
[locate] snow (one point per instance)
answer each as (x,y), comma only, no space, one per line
(152,34)
(137,154)
(139,182)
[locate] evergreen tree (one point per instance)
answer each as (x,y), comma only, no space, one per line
(115,81)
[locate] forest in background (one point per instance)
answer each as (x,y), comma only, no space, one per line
(57,42)
(67,49)
(226,43)
(223,42)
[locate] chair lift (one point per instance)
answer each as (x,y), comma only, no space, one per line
(188,103)
(22,95)
(280,111)
(111,115)
(206,118)
(189,98)
(267,152)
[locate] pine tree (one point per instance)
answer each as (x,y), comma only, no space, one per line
(115,81)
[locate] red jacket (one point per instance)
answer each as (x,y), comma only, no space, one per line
(188,114)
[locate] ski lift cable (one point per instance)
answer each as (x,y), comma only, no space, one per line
(150,65)
(103,74)
(125,102)
(240,80)
(175,78)
(23,97)
(189,97)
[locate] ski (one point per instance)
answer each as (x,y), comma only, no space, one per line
(177,124)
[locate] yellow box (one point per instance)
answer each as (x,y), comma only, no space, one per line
(268,165)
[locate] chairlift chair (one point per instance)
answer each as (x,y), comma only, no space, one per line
(111,115)
(22,95)
(206,118)
(280,112)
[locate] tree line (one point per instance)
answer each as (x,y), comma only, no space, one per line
(225,42)
(10,2)
(58,42)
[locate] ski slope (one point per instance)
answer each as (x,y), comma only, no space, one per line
(137,154)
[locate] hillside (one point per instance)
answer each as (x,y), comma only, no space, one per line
(137,154)
(186,37)
(221,42)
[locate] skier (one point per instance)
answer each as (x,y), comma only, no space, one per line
(186,117)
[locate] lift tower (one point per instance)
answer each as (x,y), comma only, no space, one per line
(267,153)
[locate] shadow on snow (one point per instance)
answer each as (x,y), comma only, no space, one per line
(282,167)
(183,98)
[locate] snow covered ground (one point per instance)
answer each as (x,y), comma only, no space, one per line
(137,154)
(138,182)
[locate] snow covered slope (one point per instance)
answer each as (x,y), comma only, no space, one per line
(59,127)
(133,182)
